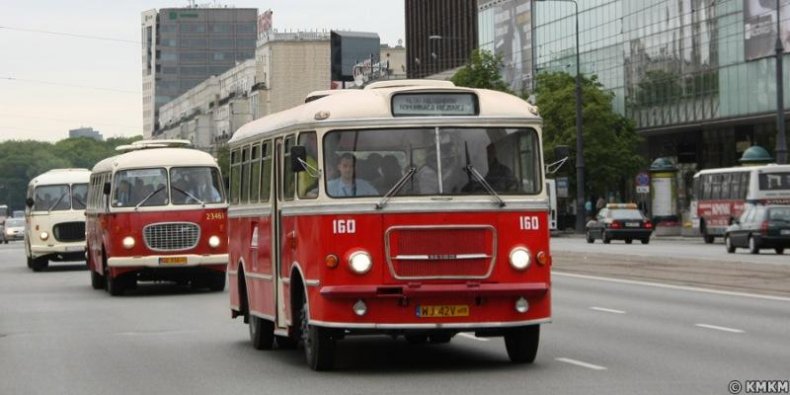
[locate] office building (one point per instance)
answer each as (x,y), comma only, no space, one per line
(85,132)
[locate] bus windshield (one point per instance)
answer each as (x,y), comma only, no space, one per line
(52,198)
(444,161)
(149,187)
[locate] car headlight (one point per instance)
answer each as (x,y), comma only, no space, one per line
(128,242)
(44,235)
(213,241)
(360,262)
(520,258)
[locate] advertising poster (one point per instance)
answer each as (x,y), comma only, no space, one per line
(513,40)
(759,20)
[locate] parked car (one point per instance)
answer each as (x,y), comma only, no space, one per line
(760,226)
(619,221)
(13,229)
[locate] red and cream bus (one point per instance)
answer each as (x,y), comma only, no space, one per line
(408,208)
(55,217)
(720,195)
(157,212)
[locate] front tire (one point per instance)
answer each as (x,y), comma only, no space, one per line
(261,333)
(728,244)
(590,238)
(754,248)
(645,240)
(97,280)
(114,286)
(39,264)
(522,343)
(606,239)
(319,346)
(217,282)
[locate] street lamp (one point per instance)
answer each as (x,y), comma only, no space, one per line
(579,134)
(781,145)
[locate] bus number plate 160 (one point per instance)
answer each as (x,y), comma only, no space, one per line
(529,222)
(344,226)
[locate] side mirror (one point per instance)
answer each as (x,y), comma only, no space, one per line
(106,189)
(298,158)
(29,202)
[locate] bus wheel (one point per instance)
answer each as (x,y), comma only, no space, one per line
(319,346)
(29,262)
(216,282)
(753,247)
(114,286)
(522,343)
(261,333)
(728,244)
(39,264)
(97,280)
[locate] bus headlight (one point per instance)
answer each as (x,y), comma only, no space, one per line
(213,241)
(360,262)
(519,258)
(44,235)
(128,242)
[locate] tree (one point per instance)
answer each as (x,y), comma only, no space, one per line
(482,71)
(610,140)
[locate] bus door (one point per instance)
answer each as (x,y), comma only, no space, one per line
(282,193)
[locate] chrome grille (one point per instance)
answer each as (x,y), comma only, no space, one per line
(171,236)
(441,252)
(69,231)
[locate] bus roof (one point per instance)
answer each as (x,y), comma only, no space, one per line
(374,102)
(770,167)
(160,157)
(61,176)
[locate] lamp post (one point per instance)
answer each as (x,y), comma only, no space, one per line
(579,135)
(781,145)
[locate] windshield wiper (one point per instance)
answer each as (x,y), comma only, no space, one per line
(471,169)
(396,188)
(145,199)
(56,203)
(189,195)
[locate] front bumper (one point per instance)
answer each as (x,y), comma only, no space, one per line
(67,249)
(153,261)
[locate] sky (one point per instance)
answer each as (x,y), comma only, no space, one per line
(51,83)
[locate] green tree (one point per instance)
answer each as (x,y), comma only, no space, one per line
(482,71)
(610,140)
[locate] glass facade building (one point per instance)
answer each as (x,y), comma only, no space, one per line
(697,77)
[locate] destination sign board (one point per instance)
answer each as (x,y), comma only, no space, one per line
(434,104)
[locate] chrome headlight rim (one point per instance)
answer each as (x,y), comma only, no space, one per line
(213,241)
(128,242)
(43,235)
(360,262)
(520,258)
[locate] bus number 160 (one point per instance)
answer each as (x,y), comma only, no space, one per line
(344,226)
(529,223)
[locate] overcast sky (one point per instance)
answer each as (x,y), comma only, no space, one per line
(50,83)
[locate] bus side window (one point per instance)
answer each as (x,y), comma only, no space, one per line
(307,182)
(266,171)
(255,174)
(288,173)
(235,176)
(245,175)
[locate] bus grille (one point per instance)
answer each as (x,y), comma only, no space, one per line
(447,252)
(171,236)
(69,231)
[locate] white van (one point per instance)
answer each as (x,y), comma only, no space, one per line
(55,217)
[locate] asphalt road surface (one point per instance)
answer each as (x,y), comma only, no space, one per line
(58,336)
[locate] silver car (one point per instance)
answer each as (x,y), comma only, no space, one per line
(13,229)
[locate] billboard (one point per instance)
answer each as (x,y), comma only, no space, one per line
(513,40)
(348,49)
(759,20)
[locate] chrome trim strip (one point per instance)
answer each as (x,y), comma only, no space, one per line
(261,315)
(471,325)
(427,206)
(286,280)
(233,272)
(267,277)
(312,283)
(448,257)
(444,227)
(257,210)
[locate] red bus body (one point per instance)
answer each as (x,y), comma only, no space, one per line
(317,268)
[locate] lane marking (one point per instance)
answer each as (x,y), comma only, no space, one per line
(719,328)
(605,310)
(670,286)
(473,337)
(580,363)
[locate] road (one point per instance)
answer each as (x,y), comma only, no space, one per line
(58,336)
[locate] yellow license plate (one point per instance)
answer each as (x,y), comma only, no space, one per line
(173,260)
(432,311)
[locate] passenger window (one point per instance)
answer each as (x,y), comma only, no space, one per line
(235,176)
(307,181)
(255,177)
(266,171)
(289,181)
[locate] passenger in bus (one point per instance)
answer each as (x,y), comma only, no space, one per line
(124,194)
(391,172)
(426,175)
(307,181)
(499,176)
(206,190)
(346,184)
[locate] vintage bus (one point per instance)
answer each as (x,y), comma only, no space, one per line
(55,217)
(157,211)
(720,195)
(413,209)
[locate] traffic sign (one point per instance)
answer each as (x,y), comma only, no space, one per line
(642,179)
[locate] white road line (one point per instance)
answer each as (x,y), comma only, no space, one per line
(605,310)
(580,363)
(669,286)
(719,328)
(473,337)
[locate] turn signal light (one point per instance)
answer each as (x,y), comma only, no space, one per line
(331,261)
(543,258)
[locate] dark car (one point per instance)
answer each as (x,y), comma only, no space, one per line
(621,221)
(760,226)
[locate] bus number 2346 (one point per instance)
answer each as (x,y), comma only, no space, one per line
(344,226)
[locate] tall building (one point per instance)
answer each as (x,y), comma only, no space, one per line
(181,47)
(85,132)
(440,35)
